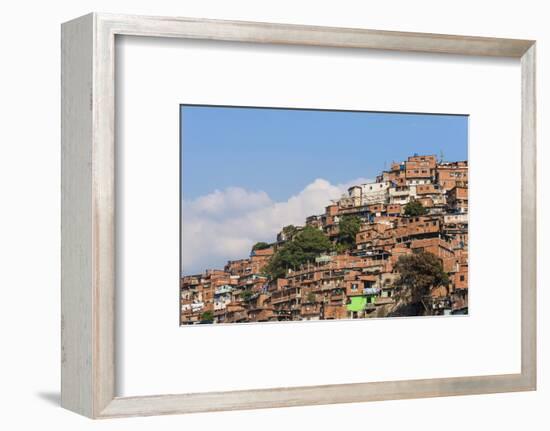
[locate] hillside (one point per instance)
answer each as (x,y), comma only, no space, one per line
(395,246)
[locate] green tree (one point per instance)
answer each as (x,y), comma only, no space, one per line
(415,208)
(289,231)
(260,246)
(347,230)
(418,274)
(207,316)
(305,246)
(246,295)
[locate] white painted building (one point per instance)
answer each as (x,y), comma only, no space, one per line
(222,297)
(455,218)
(418,181)
(194,306)
(366,194)
(402,195)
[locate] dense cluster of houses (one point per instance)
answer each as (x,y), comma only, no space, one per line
(359,282)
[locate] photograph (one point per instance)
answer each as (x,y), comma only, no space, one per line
(303,214)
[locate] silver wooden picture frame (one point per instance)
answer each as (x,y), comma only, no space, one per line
(89,201)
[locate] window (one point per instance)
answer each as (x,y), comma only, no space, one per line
(461,278)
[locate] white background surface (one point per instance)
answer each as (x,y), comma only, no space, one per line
(158,357)
(29,222)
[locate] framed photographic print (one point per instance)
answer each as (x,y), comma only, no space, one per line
(265,215)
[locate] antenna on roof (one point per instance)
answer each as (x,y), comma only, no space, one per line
(441,156)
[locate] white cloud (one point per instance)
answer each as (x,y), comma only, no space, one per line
(231,200)
(224,225)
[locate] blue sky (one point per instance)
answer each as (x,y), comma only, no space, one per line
(280,151)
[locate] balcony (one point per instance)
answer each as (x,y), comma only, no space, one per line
(331,286)
(371,291)
(337,299)
(237,316)
(223,290)
(285,298)
(398,192)
(197,306)
(383,301)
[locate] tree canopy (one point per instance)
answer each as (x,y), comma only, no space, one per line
(415,208)
(419,273)
(260,246)
(247,294)
(207,316)
(289,231)
(348,228)
(302,248)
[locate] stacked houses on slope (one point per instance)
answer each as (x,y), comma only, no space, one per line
(357,283)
